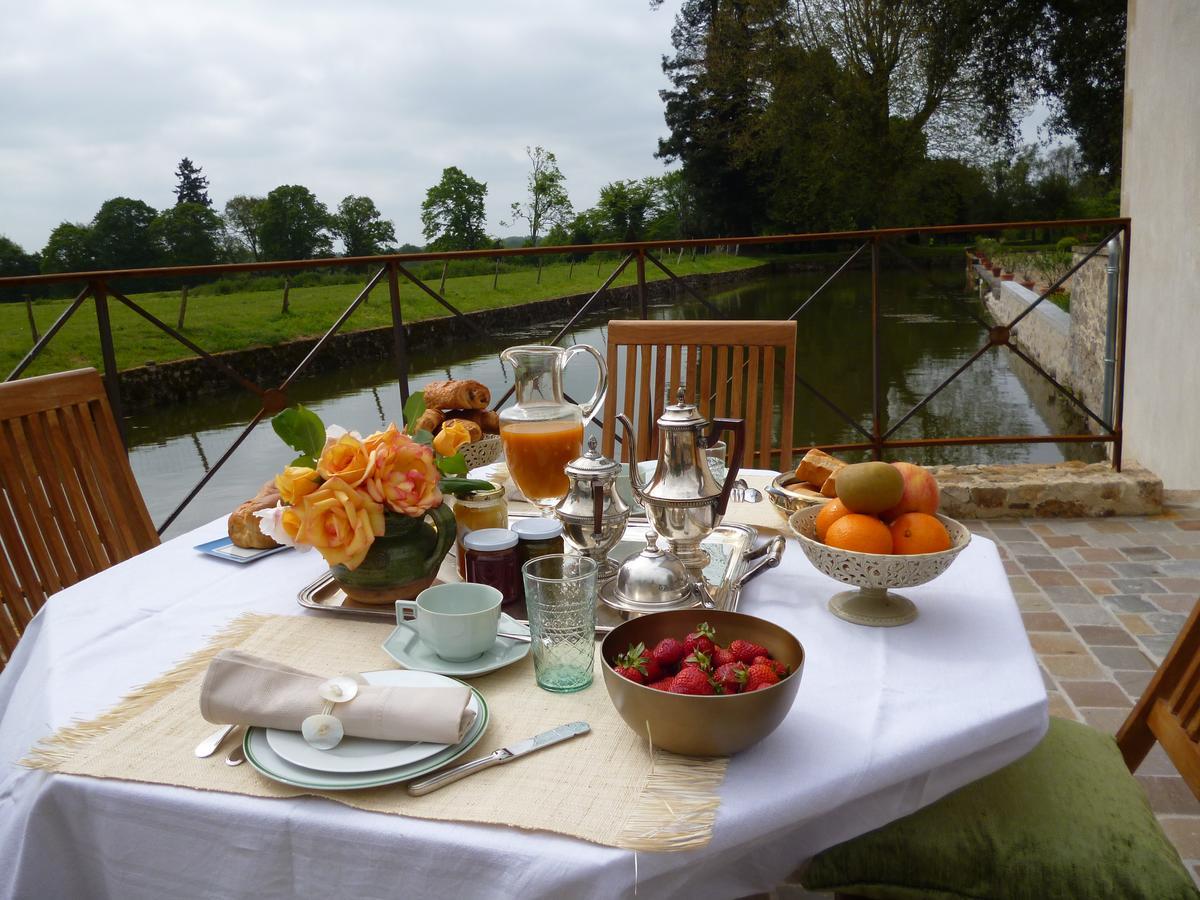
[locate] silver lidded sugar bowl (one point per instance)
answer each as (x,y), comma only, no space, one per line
(593,513)
(651,581)
(683,501)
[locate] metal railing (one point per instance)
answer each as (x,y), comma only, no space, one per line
(98,288)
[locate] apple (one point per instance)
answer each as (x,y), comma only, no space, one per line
(920,492)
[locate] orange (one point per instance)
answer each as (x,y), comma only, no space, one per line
(830,513)
(860,533)
(917,532)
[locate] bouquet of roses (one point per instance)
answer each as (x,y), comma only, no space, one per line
(335,494)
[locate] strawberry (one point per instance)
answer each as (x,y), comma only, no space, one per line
(780,669)
(745,651)
(700,639)
(698,659)
(635,665)
(668,652)
(760,675)
(730,677)
(691,681)
(722,656)
(663,684)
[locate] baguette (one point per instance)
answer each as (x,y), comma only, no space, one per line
(457,395)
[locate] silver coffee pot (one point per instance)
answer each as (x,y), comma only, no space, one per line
(593,513)
(683,501)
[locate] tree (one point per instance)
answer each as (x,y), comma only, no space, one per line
(293,224)
(190,185)
(121,236)
(189,234)
(453,216)
(15,261)
(69,249)
(243,216)
(361,228)
(547,204)
(625,208)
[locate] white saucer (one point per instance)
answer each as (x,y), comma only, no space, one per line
(354,755)
(405,646)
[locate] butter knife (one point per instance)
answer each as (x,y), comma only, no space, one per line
(503,755)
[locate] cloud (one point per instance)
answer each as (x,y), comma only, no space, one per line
(104,97)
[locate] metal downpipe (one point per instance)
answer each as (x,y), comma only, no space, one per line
(1112,268)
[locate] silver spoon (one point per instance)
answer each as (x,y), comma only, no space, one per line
(751,494)
(236,756)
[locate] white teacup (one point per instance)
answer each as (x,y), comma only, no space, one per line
(458,621)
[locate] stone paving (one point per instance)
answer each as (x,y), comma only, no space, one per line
(1103,600)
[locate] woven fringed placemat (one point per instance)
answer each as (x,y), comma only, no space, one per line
(607,787)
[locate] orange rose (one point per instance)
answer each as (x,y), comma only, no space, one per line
(345,458)
(402,475)
(450,438)
(294,482)
(338,520)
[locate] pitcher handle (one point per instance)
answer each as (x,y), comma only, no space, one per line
(446,526)
(635,478)
(601,383)
(738,427)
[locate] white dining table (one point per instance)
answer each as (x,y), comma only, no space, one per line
(886,720)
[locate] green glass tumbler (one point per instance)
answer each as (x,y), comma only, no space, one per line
(560,597)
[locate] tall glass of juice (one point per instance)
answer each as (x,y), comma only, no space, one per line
(544,431)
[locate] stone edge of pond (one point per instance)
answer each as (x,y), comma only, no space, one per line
(177,381)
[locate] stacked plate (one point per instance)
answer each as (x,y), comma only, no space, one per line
(357,763)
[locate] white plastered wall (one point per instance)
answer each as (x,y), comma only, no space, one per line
(1160,192)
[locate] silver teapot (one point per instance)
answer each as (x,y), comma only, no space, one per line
(683,501)
(593,513)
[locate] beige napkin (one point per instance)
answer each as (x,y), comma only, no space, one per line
(243,689)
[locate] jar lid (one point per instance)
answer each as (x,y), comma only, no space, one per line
(593,463)
(487,540)
(490,493)
(537,529)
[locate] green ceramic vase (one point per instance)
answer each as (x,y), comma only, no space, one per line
(403,561)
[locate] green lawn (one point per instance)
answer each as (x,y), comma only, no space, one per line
(236,321)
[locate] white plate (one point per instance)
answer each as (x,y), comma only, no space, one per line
(267,762)
(405,646)
(363,754)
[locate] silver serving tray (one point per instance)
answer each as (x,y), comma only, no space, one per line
(730,547)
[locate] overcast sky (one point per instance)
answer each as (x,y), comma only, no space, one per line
(102,98)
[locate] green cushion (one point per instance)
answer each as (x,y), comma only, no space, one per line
(1068,820)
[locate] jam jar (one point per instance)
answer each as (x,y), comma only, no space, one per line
(479,509)
(537,537)
(491,558)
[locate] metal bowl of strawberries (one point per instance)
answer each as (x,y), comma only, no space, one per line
(702,682)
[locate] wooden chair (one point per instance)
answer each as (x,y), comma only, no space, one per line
(69,505)
(732,367)
(1167,713)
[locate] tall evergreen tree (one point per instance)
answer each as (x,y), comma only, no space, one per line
(191,186)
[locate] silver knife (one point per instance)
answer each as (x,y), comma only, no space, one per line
(503,755)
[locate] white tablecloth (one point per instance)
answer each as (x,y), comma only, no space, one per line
(886,721)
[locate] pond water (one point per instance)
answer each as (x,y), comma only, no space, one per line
(926,332)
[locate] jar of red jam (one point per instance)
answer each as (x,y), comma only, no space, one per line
(491,557)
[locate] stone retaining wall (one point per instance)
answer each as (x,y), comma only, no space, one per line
(1045,334)
(1089,325)
(152,385)
(1067,489)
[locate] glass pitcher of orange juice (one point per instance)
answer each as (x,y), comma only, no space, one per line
(544,431)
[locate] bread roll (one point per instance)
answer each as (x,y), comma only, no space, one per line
(817,466)
(243,524)
(457,395)
(472,429)
(487,419)
(430,420)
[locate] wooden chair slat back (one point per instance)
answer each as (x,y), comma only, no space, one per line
(1169,709)
(730,369)
(69,504)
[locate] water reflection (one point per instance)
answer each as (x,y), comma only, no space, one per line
(924,336)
